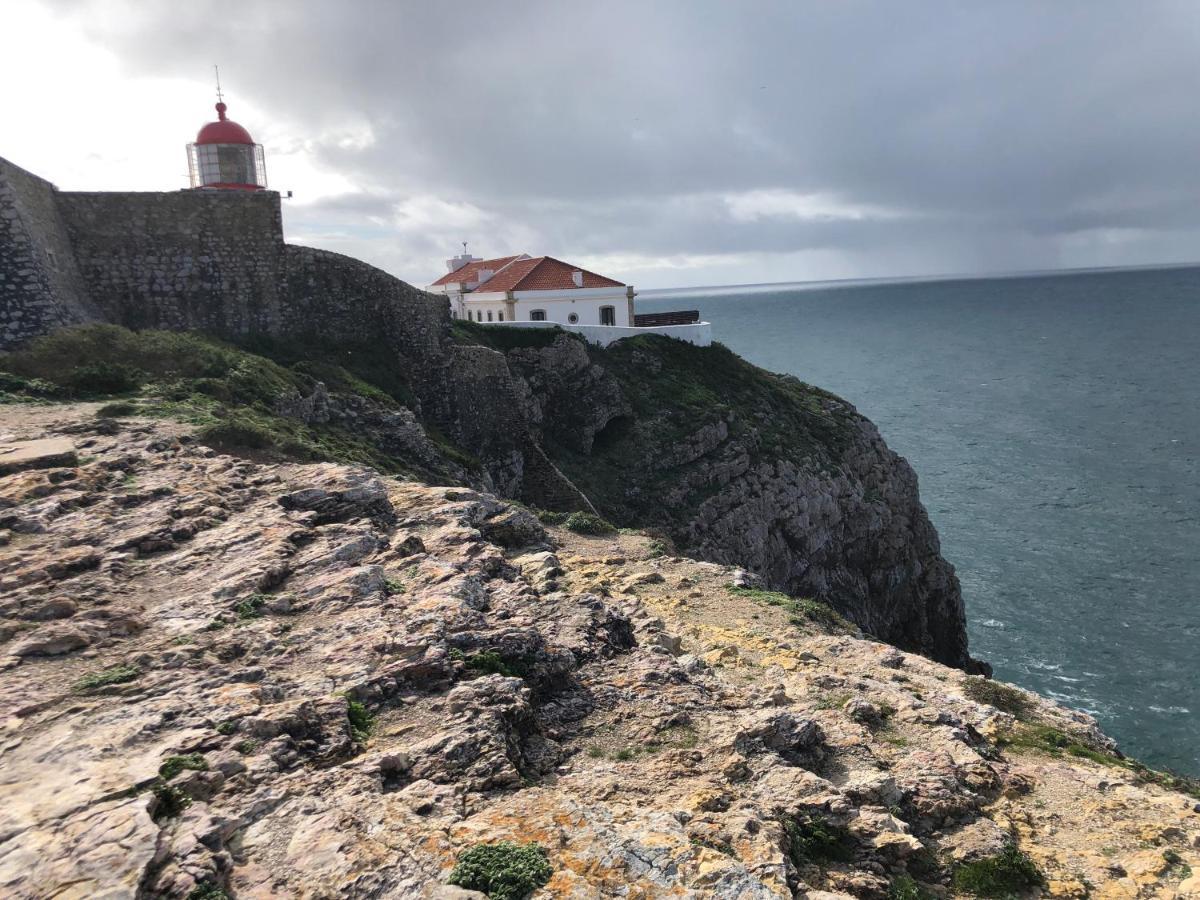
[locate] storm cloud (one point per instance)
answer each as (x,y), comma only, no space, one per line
(691,142)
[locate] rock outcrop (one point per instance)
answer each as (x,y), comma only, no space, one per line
(233,678)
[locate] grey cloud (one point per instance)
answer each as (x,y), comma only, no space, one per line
(995,130)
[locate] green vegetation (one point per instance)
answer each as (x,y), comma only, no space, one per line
(504,871)
(504,337)
(114,675)
(229,726)
(1026,737)
(246,746)
(489,662)
(813,840)
(905,887)
(17,389)
(1007,874)
(173,765)
(802,610)
(251,607)
(394,586)
(550,517)
(230,393)
(207,891)
(587,523)
(994,693)
(171,800)
(1177,866)
(118,410)
(361,720)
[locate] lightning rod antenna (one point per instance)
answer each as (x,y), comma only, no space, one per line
(217,72)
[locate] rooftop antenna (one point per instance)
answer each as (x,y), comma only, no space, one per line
(464,248)
(217,72)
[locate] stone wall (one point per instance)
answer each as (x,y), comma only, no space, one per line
(207,260)
(40,286)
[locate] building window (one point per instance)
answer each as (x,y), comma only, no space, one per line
(537,315)
(499,317)
(573,318)
(489,315)
(608,315)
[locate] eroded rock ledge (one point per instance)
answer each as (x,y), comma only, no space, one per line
(313,681)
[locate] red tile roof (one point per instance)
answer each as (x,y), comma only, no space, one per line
(544,273)
(470,271)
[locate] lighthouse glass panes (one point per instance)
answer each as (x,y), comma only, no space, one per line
(226,164)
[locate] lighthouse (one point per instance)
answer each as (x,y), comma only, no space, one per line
(225,157)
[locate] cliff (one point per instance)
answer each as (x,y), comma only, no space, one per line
(247,677)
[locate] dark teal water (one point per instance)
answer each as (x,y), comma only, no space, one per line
(1053,422)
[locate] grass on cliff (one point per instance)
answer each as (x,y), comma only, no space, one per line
(1009,873)
(231,394)
(1028,737)
(503,337)
(801,610)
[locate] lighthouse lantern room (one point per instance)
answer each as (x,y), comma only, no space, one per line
(225,157)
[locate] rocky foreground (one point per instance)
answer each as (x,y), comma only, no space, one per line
(226,678)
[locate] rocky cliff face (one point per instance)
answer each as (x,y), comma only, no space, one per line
(228,678)
(747,468)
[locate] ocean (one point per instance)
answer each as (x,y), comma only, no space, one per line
(1053,421)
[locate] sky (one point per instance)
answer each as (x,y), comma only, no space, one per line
(666,143)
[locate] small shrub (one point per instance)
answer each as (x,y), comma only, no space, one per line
(1006,874)
(994,693)
(589,524)
(118,410)
(173,765)
(394,586)
(811,839)
(113,675)
(1178,867)
(251,607)
(18,389)
(171,800)
(246,746)
(803,610)
(905,887)
(237,431)
(207,891)
(361,720)
(489,662)
(550,517)
(229,726)
(103,378)
(504,871)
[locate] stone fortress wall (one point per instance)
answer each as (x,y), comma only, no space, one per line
(40,284)
(213,261)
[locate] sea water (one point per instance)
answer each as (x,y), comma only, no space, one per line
(1053,420)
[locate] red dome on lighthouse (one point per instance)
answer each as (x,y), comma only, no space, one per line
(225,158)
(223,131)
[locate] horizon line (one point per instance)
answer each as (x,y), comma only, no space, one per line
(894,279)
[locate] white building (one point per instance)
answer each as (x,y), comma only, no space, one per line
(527,288)
(541,291)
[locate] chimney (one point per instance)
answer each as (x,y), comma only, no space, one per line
(577,277)
(453,265)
